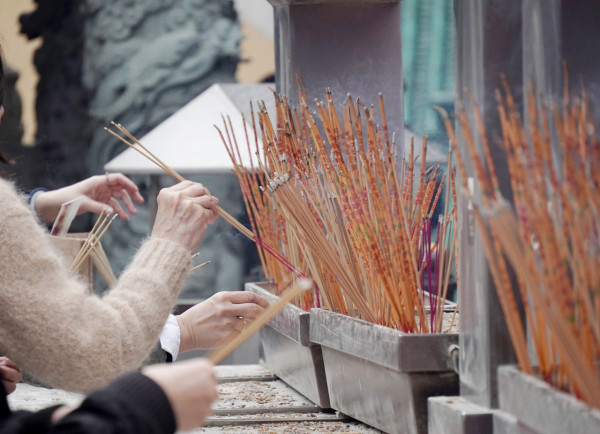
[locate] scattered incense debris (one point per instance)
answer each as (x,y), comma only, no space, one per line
(294,427)
(256,394)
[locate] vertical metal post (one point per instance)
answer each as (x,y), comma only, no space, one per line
(542,51)
(488,44)
(542,45)
(523,41)
(349,46)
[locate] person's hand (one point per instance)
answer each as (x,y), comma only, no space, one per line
(10,373)
(184,212)
(191,388)
(208,323)
(102,193)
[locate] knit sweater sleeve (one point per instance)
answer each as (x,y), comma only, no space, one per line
(55,329)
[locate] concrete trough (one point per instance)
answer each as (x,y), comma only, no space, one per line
(381,376)
(542,408)
(288,351)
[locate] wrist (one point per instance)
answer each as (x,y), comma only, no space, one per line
(45,207)
(185,337)
(33,199)
(161,236)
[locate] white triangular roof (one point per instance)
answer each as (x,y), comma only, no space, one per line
(188,142)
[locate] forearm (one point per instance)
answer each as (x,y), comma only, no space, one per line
(65,336)
(24,422)
(126,323)
(132,403)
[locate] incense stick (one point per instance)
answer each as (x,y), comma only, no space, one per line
(100,261)
(197,267)
(100,227)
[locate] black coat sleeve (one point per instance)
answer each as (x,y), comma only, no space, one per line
(131,404)
(18,422)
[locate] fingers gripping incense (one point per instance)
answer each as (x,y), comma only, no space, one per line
(140,148)
(223,350)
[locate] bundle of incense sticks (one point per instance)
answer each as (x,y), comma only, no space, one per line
(90,245)
(100,261)
(550,237)
(331,197)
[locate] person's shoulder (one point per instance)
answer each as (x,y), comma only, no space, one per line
(7,189)
(6,183)
(11,201)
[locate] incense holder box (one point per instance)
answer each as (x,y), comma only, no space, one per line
(381,376)
(542,408)
(288,352)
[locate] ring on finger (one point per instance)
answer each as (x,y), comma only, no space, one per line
(245,321)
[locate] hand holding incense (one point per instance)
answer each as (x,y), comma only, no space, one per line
(295,290)
(136,145)
(184,212)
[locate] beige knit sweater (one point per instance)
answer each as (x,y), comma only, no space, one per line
(52,327)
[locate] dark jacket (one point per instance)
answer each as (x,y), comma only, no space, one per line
(131,404)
